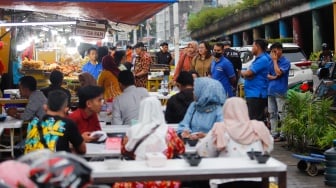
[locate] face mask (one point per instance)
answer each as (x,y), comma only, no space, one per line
(217,55)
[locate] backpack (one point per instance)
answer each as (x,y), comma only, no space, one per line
(43,134)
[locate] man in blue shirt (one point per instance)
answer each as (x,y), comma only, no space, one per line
(222,70)
(92,66)
(278,86)
(256,81)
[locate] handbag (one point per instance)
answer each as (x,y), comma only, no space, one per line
(129,155)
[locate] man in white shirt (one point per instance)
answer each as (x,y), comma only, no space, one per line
(125,107)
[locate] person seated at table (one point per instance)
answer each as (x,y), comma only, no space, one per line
(56,80)
(235,136)
(86,79)
(36,100)
(85,116)
(204,111)
(58,132)
(151,134)
(178,104)
(125,107)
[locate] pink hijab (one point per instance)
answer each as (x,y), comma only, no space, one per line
(239,127)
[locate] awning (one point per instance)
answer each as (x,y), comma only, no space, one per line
(119,11)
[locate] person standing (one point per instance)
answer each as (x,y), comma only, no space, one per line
(142,65)
(222,70)
(256,81)
(129,54)
(163,56)
(201,63)
(184,63)
(92,66)
(234,57)
(108,78)
(277,87)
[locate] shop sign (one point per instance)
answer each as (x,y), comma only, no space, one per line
(90,29)
(122,36)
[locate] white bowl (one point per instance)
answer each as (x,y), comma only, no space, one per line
(112,163)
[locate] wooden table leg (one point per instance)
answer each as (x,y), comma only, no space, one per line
(265,182)
(282,180)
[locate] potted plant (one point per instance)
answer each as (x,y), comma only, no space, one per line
(308,121)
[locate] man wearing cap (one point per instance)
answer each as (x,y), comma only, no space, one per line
(141,65)
(163,56)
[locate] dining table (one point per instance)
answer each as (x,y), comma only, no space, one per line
(11,124)
(179,169)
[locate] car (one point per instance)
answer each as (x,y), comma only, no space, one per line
(300,66)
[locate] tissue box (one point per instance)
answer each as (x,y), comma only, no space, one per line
(156,159)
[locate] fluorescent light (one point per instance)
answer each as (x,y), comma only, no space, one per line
(36,23)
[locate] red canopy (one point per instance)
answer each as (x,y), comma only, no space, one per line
(120,11)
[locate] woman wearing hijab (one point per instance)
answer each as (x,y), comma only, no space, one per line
(184,63)
(204,111)
(160,138)
(86,79)
(235,136)
(108,78)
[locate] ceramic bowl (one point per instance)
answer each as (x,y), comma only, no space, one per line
(192,142)
(262,158)
(2,118)
(252,154)
(193,159)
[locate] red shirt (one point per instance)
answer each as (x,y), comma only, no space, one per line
(84,122)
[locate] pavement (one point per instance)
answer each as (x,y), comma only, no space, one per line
(295,178)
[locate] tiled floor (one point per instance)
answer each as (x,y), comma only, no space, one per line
(295,178)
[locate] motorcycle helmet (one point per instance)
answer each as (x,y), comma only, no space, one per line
(324,46)
(60,169)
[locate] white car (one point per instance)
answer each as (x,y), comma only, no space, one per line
(300,67)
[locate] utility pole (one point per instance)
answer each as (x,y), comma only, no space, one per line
(176,32)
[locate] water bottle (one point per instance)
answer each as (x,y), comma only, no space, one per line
(161,87)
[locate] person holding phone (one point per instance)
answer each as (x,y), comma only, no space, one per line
(277,88)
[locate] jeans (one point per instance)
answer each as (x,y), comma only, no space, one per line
(276,111)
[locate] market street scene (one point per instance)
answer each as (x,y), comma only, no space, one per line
(168,93)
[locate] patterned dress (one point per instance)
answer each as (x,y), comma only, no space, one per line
(142,63)
(175,146)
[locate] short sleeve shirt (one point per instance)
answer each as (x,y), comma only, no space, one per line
(85,123)
(279,86)
(256,87)
(94,70)
(223,71)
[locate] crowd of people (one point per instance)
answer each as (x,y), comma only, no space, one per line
(205,108)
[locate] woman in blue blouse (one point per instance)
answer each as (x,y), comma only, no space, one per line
(204,111)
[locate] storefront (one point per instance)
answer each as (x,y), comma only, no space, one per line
(45,33)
